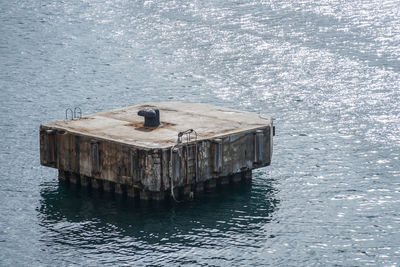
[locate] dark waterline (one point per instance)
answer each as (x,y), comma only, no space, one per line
(327,71)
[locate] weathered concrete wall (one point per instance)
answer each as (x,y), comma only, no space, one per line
(151,170)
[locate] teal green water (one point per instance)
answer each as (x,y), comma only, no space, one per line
(327,71)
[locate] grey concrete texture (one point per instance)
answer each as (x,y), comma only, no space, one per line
(114,146)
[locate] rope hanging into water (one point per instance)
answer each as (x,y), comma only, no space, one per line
(172,163)
(172,173)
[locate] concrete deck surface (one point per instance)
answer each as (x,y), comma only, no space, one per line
(125,126)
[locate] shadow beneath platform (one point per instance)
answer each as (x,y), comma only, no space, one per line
(88,218)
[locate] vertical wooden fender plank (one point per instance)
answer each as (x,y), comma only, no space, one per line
(77,154)
(187,153)
(48,139)
(155,173)
(161,174)
(196,162)
(69,148)
(85,164)
(41,143)
(94,151)
(259,146)
(134,167)
(267,144)
(60,149)
(141,167)
(181,178)
(176,169)
(271,138)
(165,166)
(55,149)
(206,157)
(218,156)
(48,147)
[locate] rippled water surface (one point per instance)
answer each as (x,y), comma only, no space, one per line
(327,71)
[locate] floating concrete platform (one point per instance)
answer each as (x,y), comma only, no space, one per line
(171,148)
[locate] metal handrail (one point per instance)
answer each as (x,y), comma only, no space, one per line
(80,112)
(66,114)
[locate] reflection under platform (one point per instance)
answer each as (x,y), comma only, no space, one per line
(88,218)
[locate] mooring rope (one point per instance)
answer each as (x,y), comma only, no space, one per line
(172,174)
(179,141)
